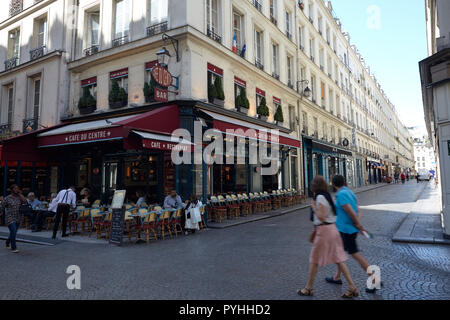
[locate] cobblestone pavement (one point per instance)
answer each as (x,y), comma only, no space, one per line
(267,259)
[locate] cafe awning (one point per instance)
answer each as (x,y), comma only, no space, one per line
(249,130)
(162,120)
(163,142)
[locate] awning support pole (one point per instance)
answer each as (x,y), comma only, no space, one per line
(5,178)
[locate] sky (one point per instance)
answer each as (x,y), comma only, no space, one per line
(391,37)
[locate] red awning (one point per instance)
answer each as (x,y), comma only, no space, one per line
(162,120)
(223,123)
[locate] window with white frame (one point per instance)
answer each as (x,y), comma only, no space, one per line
(9,93)
(274,11)
(93,29)
(41,32)
(159,11)
(212,16)
(237,30)
(301,38)
(313,88)
(35,94)
(14,43)
(290,75)
(259,58)
(275,61)
(122,18)
(312,47)
(288,25)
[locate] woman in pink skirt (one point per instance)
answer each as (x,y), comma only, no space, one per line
(327,243)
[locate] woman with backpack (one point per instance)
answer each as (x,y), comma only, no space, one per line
(327,242)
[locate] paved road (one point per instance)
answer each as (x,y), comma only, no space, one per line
(262,260)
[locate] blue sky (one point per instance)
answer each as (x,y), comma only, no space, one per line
(392,46)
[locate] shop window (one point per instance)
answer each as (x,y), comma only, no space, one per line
(91,84)
(239,85)
(260,94)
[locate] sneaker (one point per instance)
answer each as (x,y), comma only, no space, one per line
(15,251)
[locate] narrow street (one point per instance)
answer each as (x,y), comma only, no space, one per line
(266,259)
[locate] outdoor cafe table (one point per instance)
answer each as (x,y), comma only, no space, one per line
(139,217)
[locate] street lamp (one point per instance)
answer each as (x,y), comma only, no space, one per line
(163,57)
(305,92)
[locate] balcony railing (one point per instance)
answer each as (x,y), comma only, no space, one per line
(210,33)
(289,35)
(15,7)
(120,41)
(257,5)
(5,129)
(157,28)
(276,76)
(259,64)
(37,53)
(30,125)
(273,20)
(290,85)
(11,63)
(92,50)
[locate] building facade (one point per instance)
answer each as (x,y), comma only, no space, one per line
(435,76)
(291,56)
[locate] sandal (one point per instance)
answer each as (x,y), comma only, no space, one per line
(308,293)
(351,294)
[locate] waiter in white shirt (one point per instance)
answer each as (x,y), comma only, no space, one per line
(66,199)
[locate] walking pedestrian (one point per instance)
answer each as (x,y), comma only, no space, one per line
(65,199)
(327,243)
(192,214)
(396,175)
(417,177)
(348,223)
(11,206)
(403,177)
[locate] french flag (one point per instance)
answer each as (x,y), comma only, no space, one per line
(234,44)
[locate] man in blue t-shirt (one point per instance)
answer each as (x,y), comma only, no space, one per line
(349,225)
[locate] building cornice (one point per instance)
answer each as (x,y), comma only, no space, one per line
(25,12)
(20,67)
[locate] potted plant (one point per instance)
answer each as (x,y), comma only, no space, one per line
(278,117)
(242,103)
(220,99)
(212,93)
(118,97)
(149,91)
(87,103)
(263,110)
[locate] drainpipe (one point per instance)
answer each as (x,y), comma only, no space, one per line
(300,152)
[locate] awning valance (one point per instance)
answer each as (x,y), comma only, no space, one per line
(163,142)
(241,128)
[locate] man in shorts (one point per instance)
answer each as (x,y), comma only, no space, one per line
(349,225)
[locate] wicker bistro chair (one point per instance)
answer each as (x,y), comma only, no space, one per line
(249,203)
(219,210)
(267,202)
(83,219)
(106,225)
(175,222)
(233,207)
(257,204)
(276,201)
(164,223)
(244,205)
(202,223)
(96,219)
(149,224)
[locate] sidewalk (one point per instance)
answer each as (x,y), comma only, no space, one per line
(423,223)
(283,211)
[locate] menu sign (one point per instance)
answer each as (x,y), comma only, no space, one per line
(118,218)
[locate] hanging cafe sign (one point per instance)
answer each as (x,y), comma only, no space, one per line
(164,79)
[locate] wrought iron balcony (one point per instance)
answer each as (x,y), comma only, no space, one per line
(259,65)
(15,7)
(302,48)
(210,33)
(157,28)
(257,5)
(289,35)
(37,53)
(92,50)
(273,20)
(290,85)
(30,125)
(120,41)
(5,129)
(11,63)
(276,76)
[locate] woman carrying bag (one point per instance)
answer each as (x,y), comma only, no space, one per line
(192,214)
(327,243)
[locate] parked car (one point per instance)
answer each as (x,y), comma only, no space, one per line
(424,175)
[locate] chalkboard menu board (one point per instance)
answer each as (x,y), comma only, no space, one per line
(117,221)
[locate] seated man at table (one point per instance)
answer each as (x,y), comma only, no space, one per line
(44,214)
(173,201)
(32,209)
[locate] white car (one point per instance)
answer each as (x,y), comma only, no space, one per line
(424,175)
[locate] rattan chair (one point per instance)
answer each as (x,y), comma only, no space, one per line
(163,223)
(149,224)
(219,210)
